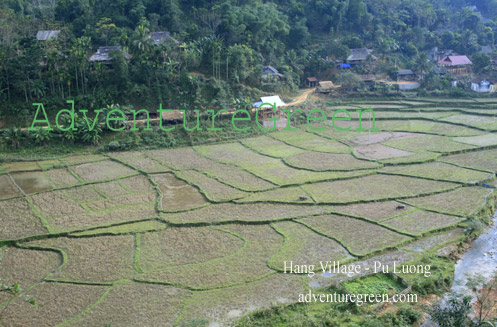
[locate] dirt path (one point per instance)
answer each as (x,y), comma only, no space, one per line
(301,98)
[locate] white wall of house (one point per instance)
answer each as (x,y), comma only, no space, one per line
(483,87)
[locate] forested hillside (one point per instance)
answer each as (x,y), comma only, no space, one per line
(216,48)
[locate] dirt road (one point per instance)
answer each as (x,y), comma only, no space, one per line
(301,98)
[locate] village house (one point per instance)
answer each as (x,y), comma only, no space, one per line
(311,81)
(103,54)
(370,79)
(325,87)
(272,100)
(361,56)
(486,50)
(161,37)
(47,35)
(456,64)
(265,106)
(493,64)
(270,73)
(483,86)
(435,54)
(406,75)
(172,117)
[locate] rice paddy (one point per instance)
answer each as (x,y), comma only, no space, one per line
(178,237)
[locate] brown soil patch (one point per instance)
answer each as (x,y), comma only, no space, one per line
(380,137)
(181,246)
(129,199)
(245,212)
(374,210)
(94,219)
(17,220)
(56,204)
(26,267)
(102,170)
(61,177)
(84,194)
(137,304)
(228,304)
(320,161)
(359,236)
(213,190)
(94,259)
(379,151)
(56,303)
(7,188)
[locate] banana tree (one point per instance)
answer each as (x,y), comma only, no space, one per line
(14,136)
(41,136)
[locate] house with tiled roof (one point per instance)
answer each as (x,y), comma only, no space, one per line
(406,75)
(361,56)
(311,81)
(456,64)
(103,54)
(161,37)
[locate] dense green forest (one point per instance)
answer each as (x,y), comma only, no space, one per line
(218,46)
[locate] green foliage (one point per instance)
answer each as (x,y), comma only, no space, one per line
(88,134)
(349,81)
(409,314)
(41,136)
(223,43)
(375,284)
(481,63)
(14,136)
(475,227)
(454,313)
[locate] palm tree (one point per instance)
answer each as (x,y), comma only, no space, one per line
(423,64)
(294,62)
(141,40)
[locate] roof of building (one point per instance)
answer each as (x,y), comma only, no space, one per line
(368,77)
(344,65)
(269,70)
(103,54)
(312,79)
(455,61)
(486,49)
(325,85)
(360,54)
(175,114)
(274,99)
(163,36)
(482,81)
(47,35)
(405,72)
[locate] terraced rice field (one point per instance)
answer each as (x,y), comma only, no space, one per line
(200,235)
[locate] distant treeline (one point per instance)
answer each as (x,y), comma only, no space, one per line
(216,49)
